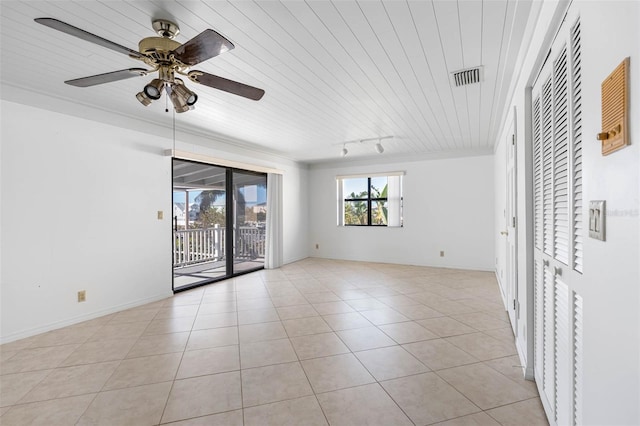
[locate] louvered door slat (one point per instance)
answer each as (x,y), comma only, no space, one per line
(563,370)
(548,380)
(547,167)
(538,327)
(576,115)
(577,358)
(537,174)
(561,158)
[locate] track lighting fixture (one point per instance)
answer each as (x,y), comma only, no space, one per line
(378,146)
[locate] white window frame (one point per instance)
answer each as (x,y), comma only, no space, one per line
(394,197)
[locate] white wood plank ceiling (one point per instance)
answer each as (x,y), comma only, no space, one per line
(333,71)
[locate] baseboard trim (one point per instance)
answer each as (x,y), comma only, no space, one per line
(81,318)
(388,262)
(502,292)
(297,259)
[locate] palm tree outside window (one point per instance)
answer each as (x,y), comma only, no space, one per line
(370,199)
(365,203)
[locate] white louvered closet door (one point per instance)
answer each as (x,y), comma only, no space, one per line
(558,229)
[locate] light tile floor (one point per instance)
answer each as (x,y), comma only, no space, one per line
(313,343)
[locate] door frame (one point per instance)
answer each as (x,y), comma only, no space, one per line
(229,236)
(511,224)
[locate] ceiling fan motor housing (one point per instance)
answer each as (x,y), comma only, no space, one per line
(159,54)
(157,47)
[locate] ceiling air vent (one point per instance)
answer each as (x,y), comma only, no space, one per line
(467,76)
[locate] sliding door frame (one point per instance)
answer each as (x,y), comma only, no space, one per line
(230,215)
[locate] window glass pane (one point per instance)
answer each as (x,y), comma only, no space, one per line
(379,212)
(355,212)
(378,187)
(249,230)
(355,188)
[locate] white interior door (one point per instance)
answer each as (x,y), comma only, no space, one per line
(558,230)
(510,229)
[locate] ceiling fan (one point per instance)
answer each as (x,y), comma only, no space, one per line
(167,57)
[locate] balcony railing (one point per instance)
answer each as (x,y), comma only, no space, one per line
(192,246)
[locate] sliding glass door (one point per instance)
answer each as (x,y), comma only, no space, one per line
(250,216)
(219,217)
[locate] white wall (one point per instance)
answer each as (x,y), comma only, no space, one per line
(448,206)
(79,203)
(611,280)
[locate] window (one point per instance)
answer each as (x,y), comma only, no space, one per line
(374,200)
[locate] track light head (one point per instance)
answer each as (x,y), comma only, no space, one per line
(344,151)
(379,148)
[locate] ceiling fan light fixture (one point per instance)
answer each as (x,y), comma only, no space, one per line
(167,74)
(178,101)
(143,98)
(165,56)
(153,90)
(183,92)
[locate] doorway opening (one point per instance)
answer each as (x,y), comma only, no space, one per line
(219,223)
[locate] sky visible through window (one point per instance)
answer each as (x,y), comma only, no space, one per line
(359,185)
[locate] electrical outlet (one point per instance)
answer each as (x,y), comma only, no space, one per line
(317,246)
(441,253)
(82,296)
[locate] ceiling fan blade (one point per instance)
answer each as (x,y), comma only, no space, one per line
(230,86)
(204,46)
(107,77)
(87,36)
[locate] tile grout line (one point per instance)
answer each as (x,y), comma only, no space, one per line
(315,395)
(357,286)
(164,408)
(235,292)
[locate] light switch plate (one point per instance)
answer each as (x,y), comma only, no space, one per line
(160,214)
(596,219)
